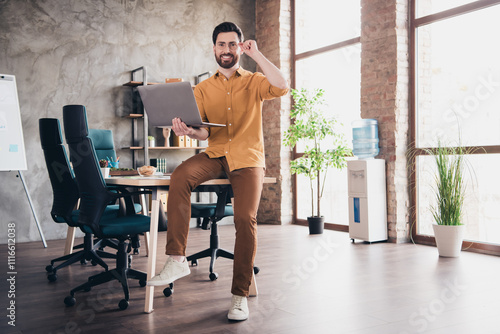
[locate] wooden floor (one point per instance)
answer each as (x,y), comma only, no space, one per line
(307,284)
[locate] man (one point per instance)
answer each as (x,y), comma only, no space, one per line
(233,96)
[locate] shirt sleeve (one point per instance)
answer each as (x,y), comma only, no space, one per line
(268,91)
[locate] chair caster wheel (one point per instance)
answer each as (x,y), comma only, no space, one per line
(142,283)
(194,263)
(123,304)
(49,268)
(169,290)
(69,301)
(93,263)
(256,270)
(83,261)
(136,251)
(213,276)
(52,277)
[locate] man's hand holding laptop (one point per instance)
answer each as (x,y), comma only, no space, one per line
(181,129)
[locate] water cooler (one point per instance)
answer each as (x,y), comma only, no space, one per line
(367,200)
(366,185)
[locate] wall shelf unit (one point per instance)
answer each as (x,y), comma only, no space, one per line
(141,115)
(135,147)
(139,83)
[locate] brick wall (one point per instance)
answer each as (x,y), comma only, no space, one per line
(273,39)
(384,96)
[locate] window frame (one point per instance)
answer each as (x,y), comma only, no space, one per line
(414,24)
(297,57)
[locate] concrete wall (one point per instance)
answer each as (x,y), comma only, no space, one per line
(80,52)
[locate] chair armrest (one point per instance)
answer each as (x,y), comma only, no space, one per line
(125,190)
(125,200)
(122,192)
(223,197)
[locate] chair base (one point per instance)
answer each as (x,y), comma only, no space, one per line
(122,273)
(92,251)
(213,253)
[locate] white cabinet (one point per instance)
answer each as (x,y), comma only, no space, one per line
(367,200)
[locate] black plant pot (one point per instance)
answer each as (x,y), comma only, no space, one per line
(316,224)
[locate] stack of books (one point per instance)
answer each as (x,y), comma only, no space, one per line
(160,164)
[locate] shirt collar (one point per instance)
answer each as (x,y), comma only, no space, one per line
(239,72)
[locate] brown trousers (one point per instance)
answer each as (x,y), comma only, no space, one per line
(247,189)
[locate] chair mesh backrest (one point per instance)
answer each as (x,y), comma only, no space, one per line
(103,143)
(62,180)
(93,192)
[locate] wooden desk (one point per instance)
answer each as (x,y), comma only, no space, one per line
(158,185)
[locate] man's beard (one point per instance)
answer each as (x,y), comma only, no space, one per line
(227,64)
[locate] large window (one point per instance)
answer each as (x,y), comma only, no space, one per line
(457,101)
(327,56)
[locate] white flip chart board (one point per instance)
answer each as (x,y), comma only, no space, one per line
(12,152)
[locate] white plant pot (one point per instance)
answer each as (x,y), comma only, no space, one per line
(449,239)
(105,172)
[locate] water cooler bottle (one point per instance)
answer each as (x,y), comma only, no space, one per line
(367,200)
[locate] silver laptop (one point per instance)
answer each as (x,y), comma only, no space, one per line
(164,102)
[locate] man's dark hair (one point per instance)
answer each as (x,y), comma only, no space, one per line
(227,27)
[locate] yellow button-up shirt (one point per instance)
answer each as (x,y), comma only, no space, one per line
(237,103)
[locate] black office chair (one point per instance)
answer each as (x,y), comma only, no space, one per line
(104,146)
(94,198)
(65,199)
(211,213)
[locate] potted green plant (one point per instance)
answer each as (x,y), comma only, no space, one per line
(151,141)
(325,147)
(449,190)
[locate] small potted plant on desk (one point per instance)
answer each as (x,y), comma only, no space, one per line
(316,130)
(449,190)
(103,163)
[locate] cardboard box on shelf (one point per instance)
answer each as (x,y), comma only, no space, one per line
(178,141)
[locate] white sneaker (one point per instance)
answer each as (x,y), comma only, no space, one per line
(239,308)
(171,271)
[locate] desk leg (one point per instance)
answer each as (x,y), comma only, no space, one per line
(70,236)
(153,241)
(142,201)
(146,241)
(70,240)
(252,291)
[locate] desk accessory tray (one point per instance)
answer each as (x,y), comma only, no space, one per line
(123,173)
